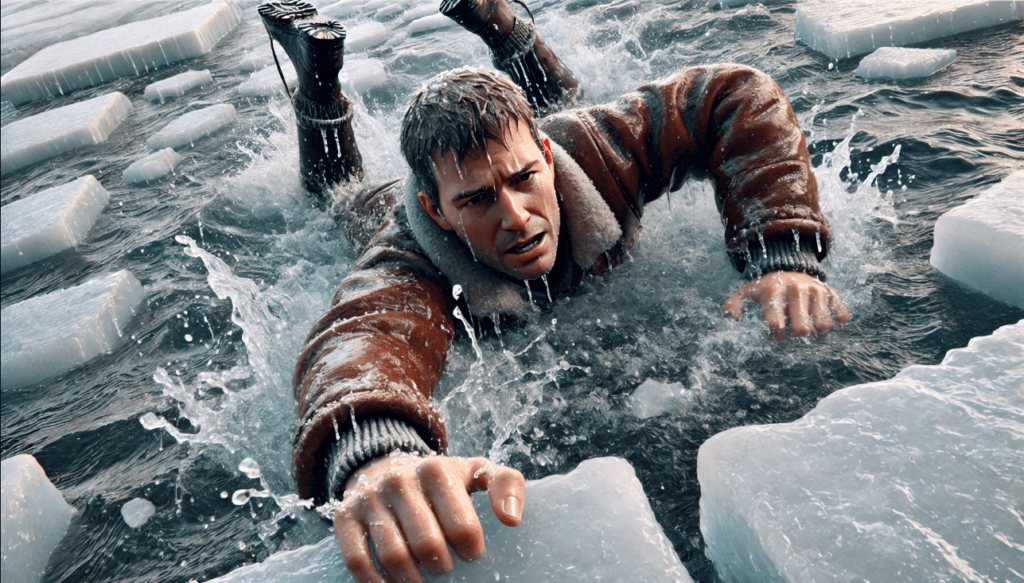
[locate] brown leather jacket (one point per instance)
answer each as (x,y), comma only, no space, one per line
(382,346)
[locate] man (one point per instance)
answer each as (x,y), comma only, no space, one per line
(496,203)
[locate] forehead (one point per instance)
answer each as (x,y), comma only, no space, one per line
(517,149)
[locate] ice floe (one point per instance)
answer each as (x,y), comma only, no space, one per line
(903,63)
(60,130)
(653,398)
(34,516)
(137,512)
(152,167)
(364,36)
(192,126)
(981,243)
(51,334)
(843,29)
(433,22)
(418,12)
(177,85)
(49,222)
(913,479)
(131,49)
(614,538)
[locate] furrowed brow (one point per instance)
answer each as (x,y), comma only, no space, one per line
(471,193)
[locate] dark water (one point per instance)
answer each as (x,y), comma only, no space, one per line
(545,396)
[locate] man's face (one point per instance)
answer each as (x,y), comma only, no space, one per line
(501,203)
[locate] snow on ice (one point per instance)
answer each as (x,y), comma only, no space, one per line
(152,167)
(901,63)
(428,23)
(137,512)
(913,479)
(981,243)
(843,29)
(49,222)
(51,334)
(614,538)
(193,126)
(34,516)
(364,36)
(60,130)
(177,85)
(131,49)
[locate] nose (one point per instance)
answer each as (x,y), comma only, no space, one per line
(514,215)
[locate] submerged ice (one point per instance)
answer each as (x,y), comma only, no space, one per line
(152,167)
(917,478)
(902,63)
(33,516)
(192,126)
(177,85)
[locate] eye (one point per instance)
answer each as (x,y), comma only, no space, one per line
(525,177)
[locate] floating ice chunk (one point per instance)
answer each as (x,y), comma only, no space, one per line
(614,537)
(735,3)
(843,29)
(192,126)
(900,63)
(419,12)
(49,222)
(60,130)
(342,9)
(358,75)
(131,49)
(33,516)
(981,243)
(257,60)
(365,36)
(51,334)
(363,74)
(177,85)
(268,81)
(152,167)
(653,398)
(137,511)
(914,479)
(389,11)
(427,23)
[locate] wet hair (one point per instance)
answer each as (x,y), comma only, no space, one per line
(457,112)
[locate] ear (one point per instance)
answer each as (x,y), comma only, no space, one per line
(547,152)
(433,210)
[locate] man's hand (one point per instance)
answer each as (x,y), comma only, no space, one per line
(411,508)
(811,306)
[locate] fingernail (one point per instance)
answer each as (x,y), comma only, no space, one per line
(510,506)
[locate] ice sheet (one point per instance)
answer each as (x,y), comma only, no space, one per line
(614,538)
(51,334)
(981,244)
(914,479)
(60,130)
(844,28)
(432,22)
(177,85)
(364,36)
(192,126)
(152,167)
(901,63)
(49,222)
(137,512)
(131,49)
(34,517)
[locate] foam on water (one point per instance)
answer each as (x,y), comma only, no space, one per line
(177,85)
(192,126)
(49,222)
(152,167)
(33,516)
(131,49)
(54,132)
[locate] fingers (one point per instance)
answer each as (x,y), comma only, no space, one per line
(420,527)
(733,307)
(391,549)
(798,308)
(506,488)
(445,486)
(352,540)
(839,309)
(821,311)
(775,312)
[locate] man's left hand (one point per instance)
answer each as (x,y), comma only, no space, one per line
(810,306)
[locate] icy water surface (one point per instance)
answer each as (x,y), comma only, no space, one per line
(236,267)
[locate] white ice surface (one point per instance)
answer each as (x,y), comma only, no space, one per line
(60,130)
(357,75)
(341,10)
(919,478)
(257,59)
(267,81)
(193,126)
(902,63)
(428,23)
(592,524)
(981,243)
(419,12)
(131,49)
(51,334)
(33,515)
(364,36)
(137,512)
(49,222)
(177,85)
(389,11)
(653,398)
(152,167)
(845,28)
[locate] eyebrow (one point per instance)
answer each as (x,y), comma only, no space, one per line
(489,189)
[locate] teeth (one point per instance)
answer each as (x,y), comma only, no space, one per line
(526,246)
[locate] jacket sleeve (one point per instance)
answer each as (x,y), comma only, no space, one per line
(377,354)
(728,121)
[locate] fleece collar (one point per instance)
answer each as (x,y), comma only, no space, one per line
(592,226)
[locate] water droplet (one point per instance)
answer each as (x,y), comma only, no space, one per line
(240,497)
(188,338)
(249,467)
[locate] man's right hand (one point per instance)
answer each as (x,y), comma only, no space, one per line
(411,508)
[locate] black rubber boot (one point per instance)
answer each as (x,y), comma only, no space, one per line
(328,154)
(517,51)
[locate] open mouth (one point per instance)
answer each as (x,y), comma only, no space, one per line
(526,245)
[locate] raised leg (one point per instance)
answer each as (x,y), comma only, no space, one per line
(518,51)
(328,154)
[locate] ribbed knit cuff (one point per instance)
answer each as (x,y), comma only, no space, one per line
(372,438)
(322,116)
(516,44)
(783,254)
